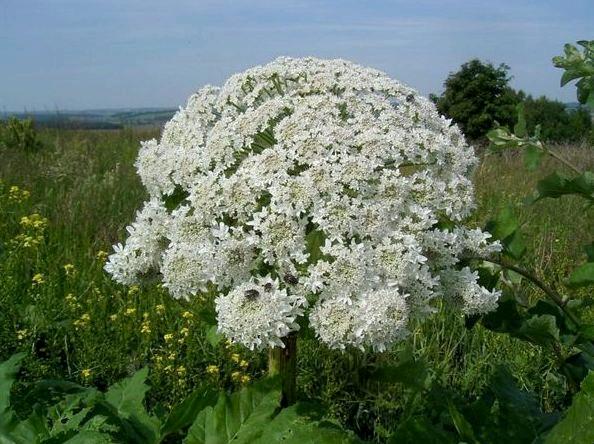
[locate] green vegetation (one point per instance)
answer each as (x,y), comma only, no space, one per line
(96,362)
(67,412)
(478,97)
(64,206)
(19,135)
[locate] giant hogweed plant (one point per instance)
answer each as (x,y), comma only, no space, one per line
(309,194)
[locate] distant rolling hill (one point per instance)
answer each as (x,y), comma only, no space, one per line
(97,119)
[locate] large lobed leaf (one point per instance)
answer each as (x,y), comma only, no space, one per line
(236,417)
(8,372)
(253,415)
(126,398)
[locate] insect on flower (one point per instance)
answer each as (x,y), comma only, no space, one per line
(251,294)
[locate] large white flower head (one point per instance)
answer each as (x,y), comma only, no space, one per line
(314,188)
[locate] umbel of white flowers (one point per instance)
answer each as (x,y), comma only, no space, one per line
(309,188)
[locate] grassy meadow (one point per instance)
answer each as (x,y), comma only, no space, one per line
(62,207)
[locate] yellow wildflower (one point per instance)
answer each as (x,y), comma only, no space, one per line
(181,370)
(22,334)
(160,309)
(187,315)
(86,373)
(130,311)
(243,364)
(245,379)
(38,279)
(235,357)
(18,195)
(113,317)
(145,328)
(134,289)
(168,337)
(69,269)
(184,331)
(71,300)
(212,370)
(101,255)
(236,376)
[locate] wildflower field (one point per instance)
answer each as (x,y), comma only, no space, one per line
(64,206)
(309,253)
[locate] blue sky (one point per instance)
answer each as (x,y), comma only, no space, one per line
(81,54)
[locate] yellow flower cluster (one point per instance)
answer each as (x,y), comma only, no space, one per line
(145,327)
(33,227)
(239,377)
(33,222)
(17,194)
(69,269)
(72,302)
(102,256)
(38,279)
(83,321)
(22,334)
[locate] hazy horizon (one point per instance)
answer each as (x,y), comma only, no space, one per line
(69,55)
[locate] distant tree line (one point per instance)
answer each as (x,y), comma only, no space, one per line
(478,97)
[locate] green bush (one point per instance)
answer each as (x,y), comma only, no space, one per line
(19,135)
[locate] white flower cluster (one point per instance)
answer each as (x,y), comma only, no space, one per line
(309,188)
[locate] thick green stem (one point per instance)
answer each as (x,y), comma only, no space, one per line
(283,362)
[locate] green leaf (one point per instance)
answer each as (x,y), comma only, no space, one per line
(421,430)
(577,366)
(540,330)
(173,200)
(505,227)
(240,417)
(126,398)
(504,224)
(315,240)
(185,413)
(582,276)
(8,372)
(301,424)
(556,185)
(213,336)
(577,426)
(462,425)
(532,157)
(90,437)
(127,395)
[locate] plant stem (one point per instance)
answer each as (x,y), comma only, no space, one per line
(564,161)
(551,293)
(283,362)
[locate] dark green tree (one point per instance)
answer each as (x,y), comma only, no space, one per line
(477,96)
(558,124)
